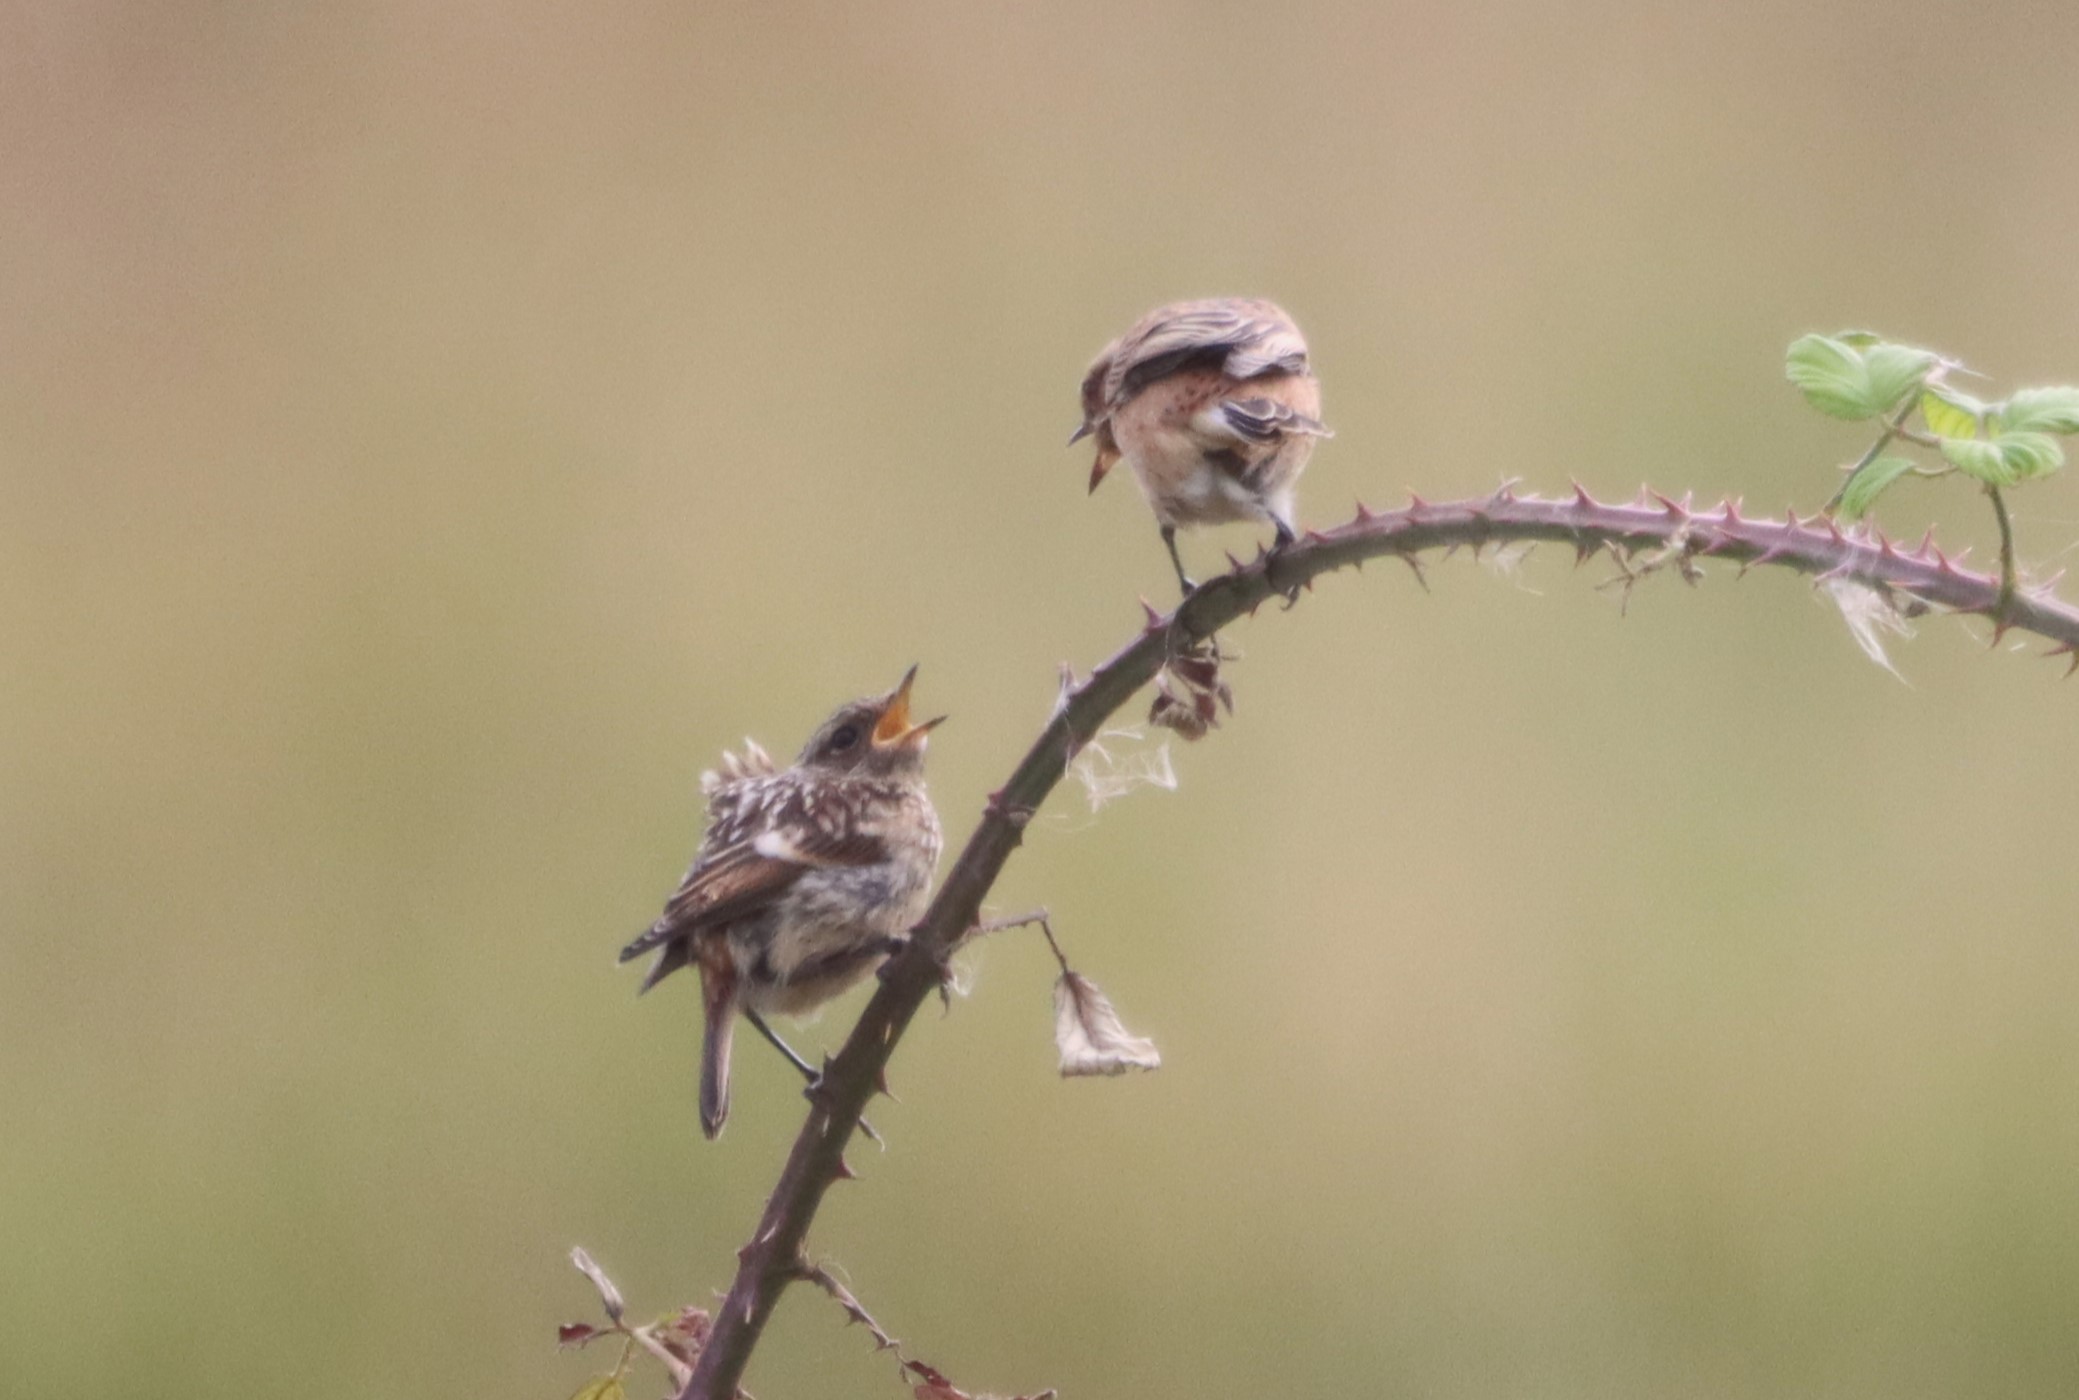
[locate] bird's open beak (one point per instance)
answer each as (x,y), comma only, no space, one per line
(894,726)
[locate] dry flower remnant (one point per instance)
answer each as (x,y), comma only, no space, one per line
(1189,693)
(1087,1031)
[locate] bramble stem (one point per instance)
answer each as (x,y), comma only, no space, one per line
(1816,546)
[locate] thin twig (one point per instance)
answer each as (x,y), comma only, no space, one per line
(1999,510)
(1895,426)
(1815,547)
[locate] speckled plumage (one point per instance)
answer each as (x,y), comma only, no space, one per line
(1215,407)
(805,879)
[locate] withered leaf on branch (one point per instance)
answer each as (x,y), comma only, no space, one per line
(684,1334)
(1088,1034)
(1189,693)
(609,1296)
(576,1334)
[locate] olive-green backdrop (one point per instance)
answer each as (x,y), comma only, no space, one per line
(430,432)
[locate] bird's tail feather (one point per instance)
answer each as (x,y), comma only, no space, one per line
(718,996)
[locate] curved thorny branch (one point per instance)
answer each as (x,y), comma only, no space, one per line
(1653,532)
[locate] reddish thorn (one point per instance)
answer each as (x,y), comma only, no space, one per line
(880,1085)
(1582,498)
(743,1252)
(1364,512)
(1669,507)
(1833,530)
(1416,566)
(1315,537)
(1234,563)
(1927,542)
(1416,505)
(844,1170)
(1768,555)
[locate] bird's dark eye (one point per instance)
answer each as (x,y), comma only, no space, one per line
(846,736)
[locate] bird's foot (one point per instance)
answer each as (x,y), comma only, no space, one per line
(1273,556)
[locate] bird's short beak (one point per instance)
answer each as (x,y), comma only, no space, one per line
(1079,434)
(894,726)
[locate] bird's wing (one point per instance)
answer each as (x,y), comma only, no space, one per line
(744,875)
(1257,420)
(1245,338)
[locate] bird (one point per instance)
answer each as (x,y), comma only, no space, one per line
(1214,406)
(806,878)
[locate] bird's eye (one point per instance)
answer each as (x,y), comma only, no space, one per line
(846,736)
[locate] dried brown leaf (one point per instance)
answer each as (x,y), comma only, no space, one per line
(684,1334)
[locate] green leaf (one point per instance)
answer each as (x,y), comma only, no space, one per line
(2046,410)
(2030,455)
(1951,413)
(604,1388)
(1982,460)
(1862,489)
(1832,377)
(1895,371)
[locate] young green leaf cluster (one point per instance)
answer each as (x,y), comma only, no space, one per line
(1859,376)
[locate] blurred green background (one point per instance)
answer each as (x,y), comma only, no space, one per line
(432,432)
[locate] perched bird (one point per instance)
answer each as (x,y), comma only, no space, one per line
(806,879)
(1213,406)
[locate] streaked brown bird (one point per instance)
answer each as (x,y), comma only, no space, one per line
(1213,405)
(805,880)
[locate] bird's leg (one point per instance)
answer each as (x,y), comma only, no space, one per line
(1169,539)
(1283,540)
(808,1071)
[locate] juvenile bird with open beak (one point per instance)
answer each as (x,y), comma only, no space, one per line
(1213,405)
(805,880)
